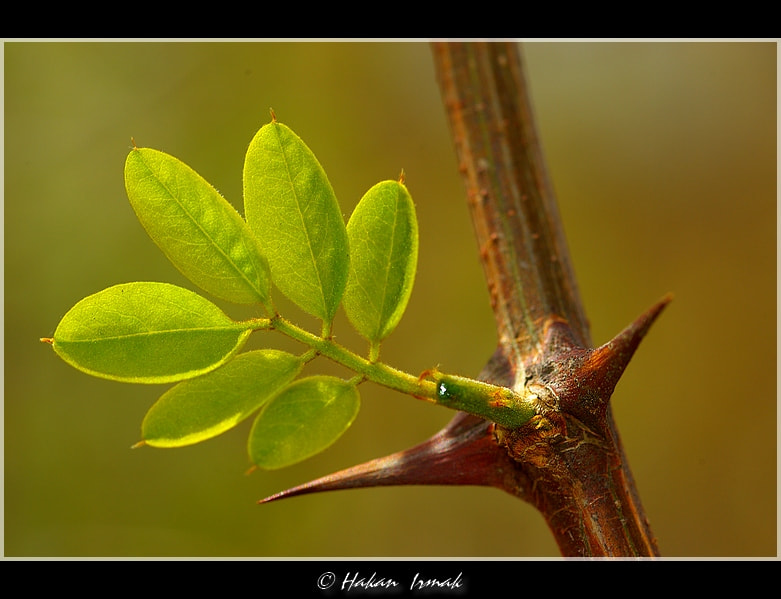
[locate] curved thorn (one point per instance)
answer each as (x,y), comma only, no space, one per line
(462,453)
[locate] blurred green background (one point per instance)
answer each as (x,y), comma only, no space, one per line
(663,156)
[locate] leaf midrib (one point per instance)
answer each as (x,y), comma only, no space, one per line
(152,333)
(381,315)
(320,287)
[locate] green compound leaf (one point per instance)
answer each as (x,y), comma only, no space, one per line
(196,228)
(293,211)
(148,333)
(209,405)
(303,420)
(383,235)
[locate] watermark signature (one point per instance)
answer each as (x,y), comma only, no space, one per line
(359,582)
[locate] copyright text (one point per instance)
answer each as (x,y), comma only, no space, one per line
(362,582)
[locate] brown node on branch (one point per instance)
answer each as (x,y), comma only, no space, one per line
(583,379)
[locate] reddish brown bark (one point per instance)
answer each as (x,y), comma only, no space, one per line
(580,478)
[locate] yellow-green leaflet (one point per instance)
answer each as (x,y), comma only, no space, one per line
(383,234)
(204,407)
(196,228)
(293,211)
(302,421)
(147,333)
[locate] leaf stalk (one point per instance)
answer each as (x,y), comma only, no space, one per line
(499,404)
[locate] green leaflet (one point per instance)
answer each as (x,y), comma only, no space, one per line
(293,211)
(383,235)
(302,421)
(196,228)
(148,333)
(209,405)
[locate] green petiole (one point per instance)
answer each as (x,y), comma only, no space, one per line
(377,372)
(498,404)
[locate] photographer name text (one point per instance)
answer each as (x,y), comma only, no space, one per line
(355,581)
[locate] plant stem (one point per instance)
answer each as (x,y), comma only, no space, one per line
(486,400)
(573,458)
(522,243)
(376,372)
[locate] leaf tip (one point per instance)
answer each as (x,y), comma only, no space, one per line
(273,115)
(250,470)
(402,177)
(133,141)
(48,340)
(141,443)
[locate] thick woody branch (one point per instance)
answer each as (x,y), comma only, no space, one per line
(516,220)
(571,452)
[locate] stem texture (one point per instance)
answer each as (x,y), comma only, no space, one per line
(571,457)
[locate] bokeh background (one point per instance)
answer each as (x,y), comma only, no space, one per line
(663,156)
